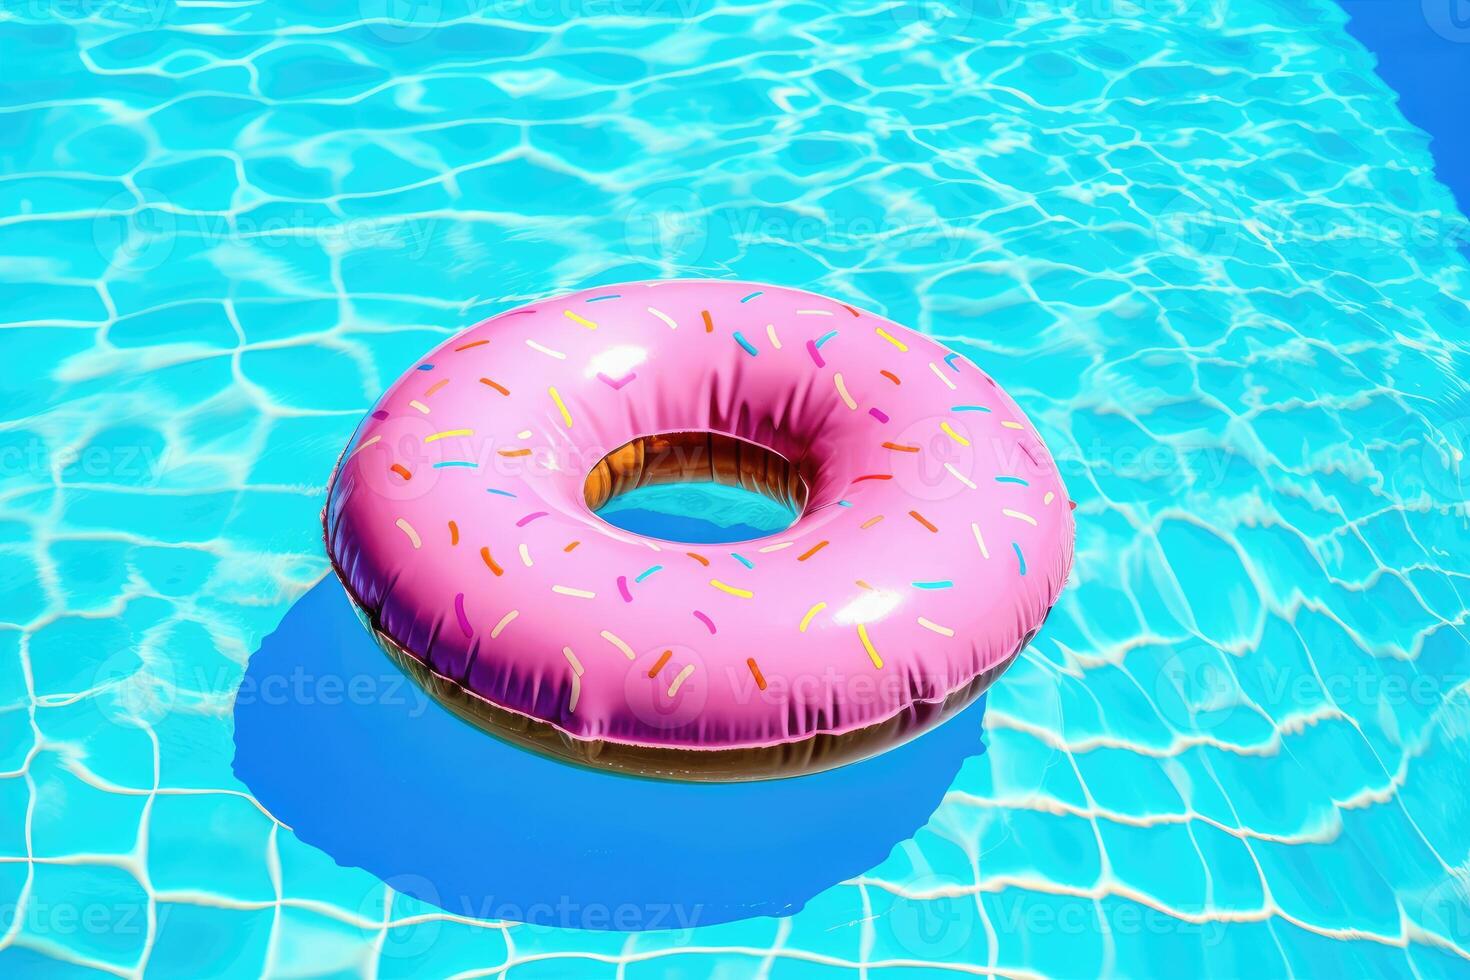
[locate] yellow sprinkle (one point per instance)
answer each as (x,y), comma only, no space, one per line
(612,638)
(893,340)
(419,405)
(931,625)
(679,680)
(868,645)
(448,434)
(807,619)
(1046,501)
(1012,425)
(959,476)
(578,593)
(940,375)
(407,529)
(546,350)
(1020,516)
(953,434)
(372,441)
(771,332)
(504,622)
(556,397)
(742,593)
(579,319)
(842,390)
(525,556)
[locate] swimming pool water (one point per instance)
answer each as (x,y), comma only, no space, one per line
(1194,238)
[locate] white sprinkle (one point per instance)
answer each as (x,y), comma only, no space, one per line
(842,390)
(813,312)
(419,405)
(931,625)
(959,476)
(576,678)
(372,441)
(1048,498)
(1020,516)
(775,547)
(407,529)
(664,317)
(572,659)
(771,332)
(612,638)
(525,556)
(554,353)
(504,622)
(683,676)
(940,375)
(984,551)
(578,593)
(526,434)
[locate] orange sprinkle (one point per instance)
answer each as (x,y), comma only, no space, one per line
(399,469)
(709,325)
(920,518)
(870,522)
(874,476)
(755,672)
(891,377)
(514,452)
(900,449)
(653,671)
(699,558)
(473,343)
(862,584)
(436,386)
(453,533)
(811,551)
(490,562)
(571,546)
(500,388)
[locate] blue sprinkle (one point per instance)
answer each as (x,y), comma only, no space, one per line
(599,299)
(826,337)
(844,503)
(1020,557)
(969,408)
(1011,479)
(749,347)
(648,571)
(503,493)
(426,367)
(742,560)
(456,462)
(949,359)
(752,296)
(942,584)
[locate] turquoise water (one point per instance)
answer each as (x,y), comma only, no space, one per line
(1195,239)
(697,512)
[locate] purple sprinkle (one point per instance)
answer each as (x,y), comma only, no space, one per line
(623,588)
(530,517)
(464,621)
(811,348)
(878,415)
(705,620)
(380,414)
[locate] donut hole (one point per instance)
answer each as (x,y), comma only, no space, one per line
(696,487)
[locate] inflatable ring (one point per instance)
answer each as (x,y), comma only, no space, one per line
(933,538)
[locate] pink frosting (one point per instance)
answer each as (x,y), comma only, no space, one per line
(938,563)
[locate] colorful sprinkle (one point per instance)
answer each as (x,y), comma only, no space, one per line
(969,408)
(950,360)
(960,476)
(599,299)
(531,517)
(873,476)
(813,312)
(931,625)
(647,572)
(807,619)
(878,414)
(891,377)
(1012,425)
(903,348)
(615,641)
(771,333)
(464,621)
(401,470)
(451,463)
(922,520)
(499,493)
(473,343)
(811,551)
(504,622)
(1020,558)
(811,349)
(755,671)
(546,350)
(576,678)
(367,442)
(747,299)
(1012,479)
(526,556)
(514,452)
(420,406)
(941,584)
(850,310)
(1046,500)
(407,528)
(870,522)
(697,557)
(453,533)
(822,340)
(574,593)
(658,664)
(980,540)
(709,325)
(940,375)
(842,390)
(679,680)
(380,415)
(775,547)
(953,434)
(623,588)
(498,387)
(739,593)
(490,562)
(749,347)
(709,623)
(742,560)
(561,405)
(435,387)
(449,434)
(579,319)
(900,448)
(569,547)
(664,317)
(1018,515)
(868,646)
(425,367)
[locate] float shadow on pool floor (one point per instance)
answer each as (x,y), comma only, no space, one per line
(359,762)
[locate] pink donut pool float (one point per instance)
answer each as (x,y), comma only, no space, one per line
(933,535)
